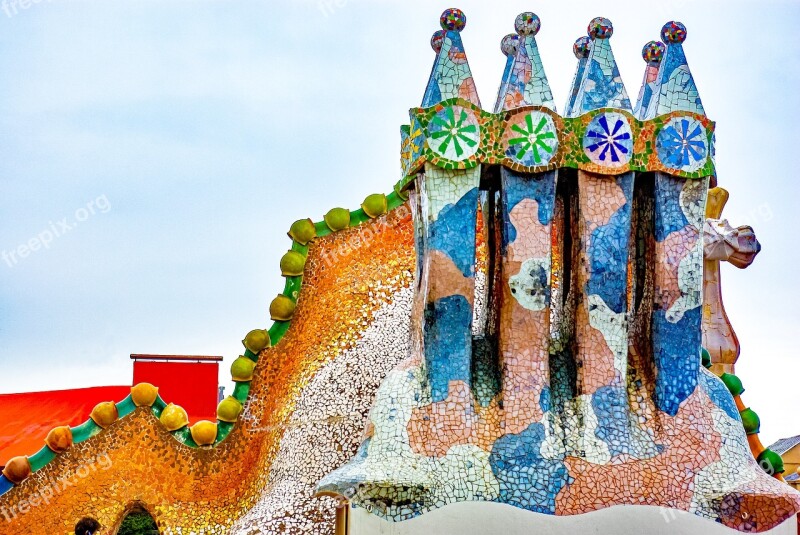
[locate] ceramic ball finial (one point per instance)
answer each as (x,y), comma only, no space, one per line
(453,20)
(527,24)
(653,52)
(437,40)
(510,44)
(600,28)
(673,32)
(581,47)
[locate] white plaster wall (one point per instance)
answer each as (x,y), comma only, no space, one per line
(488,518)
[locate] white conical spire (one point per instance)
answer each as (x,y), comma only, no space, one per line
(652,53)
(674,89)
(451,76)
(581,51)
(509,45)
(601,84)
(527,83)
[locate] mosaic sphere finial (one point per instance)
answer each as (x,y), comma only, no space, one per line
(437,40)
(527,24)
(653,52)
(673,32)
(453,20)
(600,28)
(510,44)
(581,47)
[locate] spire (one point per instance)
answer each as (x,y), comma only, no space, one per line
(527,84)
(581,51)
(601,85)
(509,45)
(451,76)
(674,89)
(652,53)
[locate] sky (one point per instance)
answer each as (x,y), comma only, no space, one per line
(162,149)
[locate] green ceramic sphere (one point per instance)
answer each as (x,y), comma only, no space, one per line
(375,205)
(337,219)
(733,383)
(292,264)
(242,369)
(303,231)
(750,421)
(281,308)
(705,357)
(771,462)
(257,340)
(229,409)
(402,193)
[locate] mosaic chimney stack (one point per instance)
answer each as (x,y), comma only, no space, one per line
(603,230)
(445,208)
(591,299)
(527,206)
(680,207)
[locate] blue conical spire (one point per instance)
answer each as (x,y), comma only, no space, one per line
(509,46)
(527,84)
(451,76)
(581,51)
(675,89)
(601,84)
(652,53)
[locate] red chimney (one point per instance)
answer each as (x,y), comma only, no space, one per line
(186,380)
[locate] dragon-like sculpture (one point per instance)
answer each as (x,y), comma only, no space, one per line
(522,320)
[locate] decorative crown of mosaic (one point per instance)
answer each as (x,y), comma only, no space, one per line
(527,134)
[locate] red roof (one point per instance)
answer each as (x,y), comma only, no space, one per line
(188,381)
(25,419)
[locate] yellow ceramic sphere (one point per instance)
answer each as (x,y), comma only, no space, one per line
(59,439)
(174,417)
(17,469)
(144,394)
(104,414)
(204,433)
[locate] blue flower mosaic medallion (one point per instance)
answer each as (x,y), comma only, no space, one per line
(453,133)
(683,144)
(532,140)
(608,140)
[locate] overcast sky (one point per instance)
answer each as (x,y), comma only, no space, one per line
(180,139)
